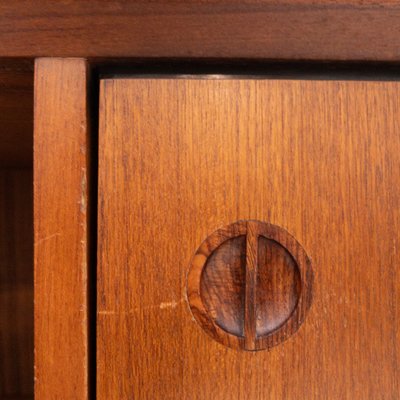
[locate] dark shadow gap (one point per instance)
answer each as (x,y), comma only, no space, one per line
(260,69)
(93,91)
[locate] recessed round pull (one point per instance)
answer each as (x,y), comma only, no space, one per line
(249,285)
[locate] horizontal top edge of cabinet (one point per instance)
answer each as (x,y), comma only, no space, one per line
(264,29)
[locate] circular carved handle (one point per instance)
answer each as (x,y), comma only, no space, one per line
(250,285)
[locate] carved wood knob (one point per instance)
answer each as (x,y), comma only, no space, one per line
(250,285)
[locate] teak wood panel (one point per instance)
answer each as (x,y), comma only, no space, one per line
(61,229)
(264,29)
(16,284)
(180,158)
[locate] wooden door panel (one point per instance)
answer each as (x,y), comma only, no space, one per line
(180,158)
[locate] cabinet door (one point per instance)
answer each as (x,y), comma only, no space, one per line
(248,239)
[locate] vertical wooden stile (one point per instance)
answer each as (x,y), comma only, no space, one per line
(61,143)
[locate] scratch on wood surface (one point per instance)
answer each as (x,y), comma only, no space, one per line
(45,239)
(82,201)
(162,306)
(170,304)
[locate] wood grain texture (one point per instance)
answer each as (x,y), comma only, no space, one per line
(250,317)
(222,287)
(181,158)
(16,113)
(280,286)
(61,236)
(249,285)
(271,29)
(16,284)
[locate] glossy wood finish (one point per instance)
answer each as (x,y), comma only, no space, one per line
(249,285)
(61,229)
(272,29)
(221,287)
(16,284)
(181,158)
(279,279)
(16,113)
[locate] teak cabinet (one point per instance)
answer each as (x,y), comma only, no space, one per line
(199,200)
